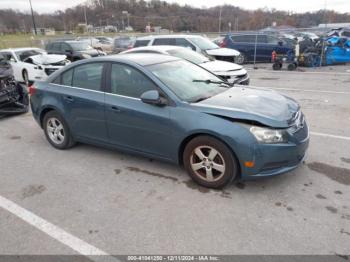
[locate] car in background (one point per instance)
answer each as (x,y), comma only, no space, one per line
(195,42)
(218,40)
(340,32)
(301,35)
(265,44)
(32,64)
(122,43)
(231,72)
(74,50)
(13,96)
(170,109)
(104,44)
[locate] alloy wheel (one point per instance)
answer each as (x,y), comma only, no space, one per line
(55,130)
(207,163)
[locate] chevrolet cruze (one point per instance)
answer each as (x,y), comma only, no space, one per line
(170,109)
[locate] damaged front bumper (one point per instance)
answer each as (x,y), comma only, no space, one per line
(14,99)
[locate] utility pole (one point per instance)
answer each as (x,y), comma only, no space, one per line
(31,9)
(325,25)
(85,15)
(220,19)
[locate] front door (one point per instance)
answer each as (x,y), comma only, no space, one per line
(131,123)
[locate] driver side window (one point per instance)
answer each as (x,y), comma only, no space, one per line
(128,81)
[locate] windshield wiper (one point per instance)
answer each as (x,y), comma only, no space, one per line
(208,81)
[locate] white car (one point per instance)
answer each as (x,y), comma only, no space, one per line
(31,64)
(196,43)
(104,44)
(231,72)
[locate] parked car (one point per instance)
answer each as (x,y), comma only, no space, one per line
(339,32)
(231,72)
(104,44)
(31,64)
(123,43)
(13,96)
(168,108)
(301,35)
(195,42)
(265,44)
(74,50)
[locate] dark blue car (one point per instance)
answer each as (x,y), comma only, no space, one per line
(170,109)
(265,45)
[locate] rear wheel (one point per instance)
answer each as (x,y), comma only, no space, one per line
(240,59)
(57,131)
(209,162)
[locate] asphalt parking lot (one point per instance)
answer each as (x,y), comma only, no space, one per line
(89,200)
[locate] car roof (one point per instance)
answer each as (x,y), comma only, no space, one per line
(150,37)
(19,49)
(160,48)
(142,59)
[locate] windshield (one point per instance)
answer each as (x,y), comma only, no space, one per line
(189,55)
(25,54)
(203,43)
(80,46)
(186,80)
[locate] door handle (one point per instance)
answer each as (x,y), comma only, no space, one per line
(115,109)
(69,99)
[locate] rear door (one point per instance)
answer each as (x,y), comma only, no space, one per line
(131,123)
(83,100)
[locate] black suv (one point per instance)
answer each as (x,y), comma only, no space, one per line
(74,50)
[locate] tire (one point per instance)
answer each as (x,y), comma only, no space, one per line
(56,131)
(291,67)
(240,59)
(277,66)
(206,170)
(25,77)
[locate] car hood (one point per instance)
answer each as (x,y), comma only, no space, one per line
(222,52)
(46,59)
(264,106)
(221,66)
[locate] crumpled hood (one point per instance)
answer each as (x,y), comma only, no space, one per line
(45,59)
(261,105)
(221,66)
(222,52)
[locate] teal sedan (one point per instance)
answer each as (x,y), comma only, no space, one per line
(167,108)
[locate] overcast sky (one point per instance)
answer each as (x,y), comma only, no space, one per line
(47,6)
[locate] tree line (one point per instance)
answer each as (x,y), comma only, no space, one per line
(171,16)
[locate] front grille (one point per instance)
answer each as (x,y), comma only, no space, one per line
(49,71)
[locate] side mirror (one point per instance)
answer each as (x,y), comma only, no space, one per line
(152,97)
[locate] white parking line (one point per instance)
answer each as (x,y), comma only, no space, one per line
(53,231)
(300,72)
(313,90)
(329,135)
(305,90)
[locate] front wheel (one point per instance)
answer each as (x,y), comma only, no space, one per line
(209,162)
(57,131)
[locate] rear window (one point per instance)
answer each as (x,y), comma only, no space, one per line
(139,43)
(249,38)
(164,41)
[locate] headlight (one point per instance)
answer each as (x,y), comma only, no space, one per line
(269,136)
